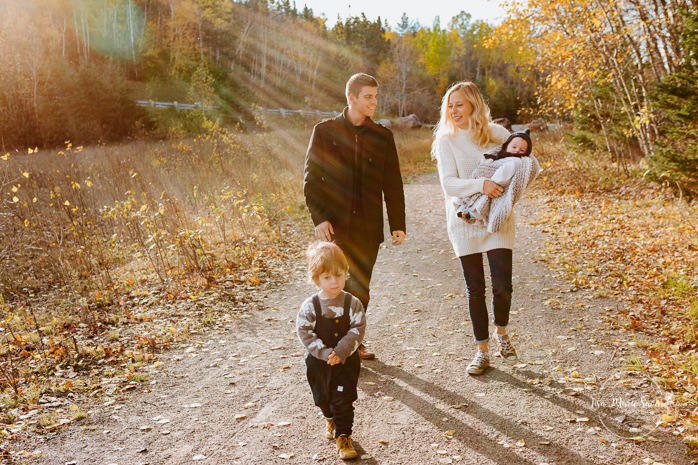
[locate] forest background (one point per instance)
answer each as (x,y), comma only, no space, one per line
(109,210)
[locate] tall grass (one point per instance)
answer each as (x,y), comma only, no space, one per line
(76,217)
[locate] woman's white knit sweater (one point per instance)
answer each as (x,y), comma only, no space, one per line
(457,156)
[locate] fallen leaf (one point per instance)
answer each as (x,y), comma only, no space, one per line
(240,417)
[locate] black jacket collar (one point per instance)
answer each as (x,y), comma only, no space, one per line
(342,119)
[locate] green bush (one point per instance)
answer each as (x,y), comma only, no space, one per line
(675,156)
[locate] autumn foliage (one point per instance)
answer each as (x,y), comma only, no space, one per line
(624,72)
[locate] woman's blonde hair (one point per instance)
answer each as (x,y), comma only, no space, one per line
(479,119)
(325,257)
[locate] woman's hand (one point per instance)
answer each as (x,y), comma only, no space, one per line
(492,190)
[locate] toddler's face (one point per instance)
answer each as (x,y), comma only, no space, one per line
(517,145)
(332,284)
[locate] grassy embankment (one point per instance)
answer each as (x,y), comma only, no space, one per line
(112,254)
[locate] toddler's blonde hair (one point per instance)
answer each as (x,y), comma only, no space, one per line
(325,257)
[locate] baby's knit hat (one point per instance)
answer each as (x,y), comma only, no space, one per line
(525,135)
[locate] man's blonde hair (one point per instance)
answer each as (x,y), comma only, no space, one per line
(479,119)
(325,257)
(358,82)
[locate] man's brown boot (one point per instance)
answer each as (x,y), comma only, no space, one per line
(346,448)
(365,354)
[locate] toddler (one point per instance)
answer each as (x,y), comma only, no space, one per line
(331,325)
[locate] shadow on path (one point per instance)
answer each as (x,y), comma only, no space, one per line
(377,371)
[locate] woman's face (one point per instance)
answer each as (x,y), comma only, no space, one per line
(460,109)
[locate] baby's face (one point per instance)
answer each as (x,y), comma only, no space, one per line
(517,145)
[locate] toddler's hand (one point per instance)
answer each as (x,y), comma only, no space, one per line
(333,359)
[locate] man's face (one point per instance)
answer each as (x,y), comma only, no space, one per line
(366,102)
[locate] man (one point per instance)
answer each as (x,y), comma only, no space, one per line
(350,167)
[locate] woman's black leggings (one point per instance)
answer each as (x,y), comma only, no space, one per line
(500,261)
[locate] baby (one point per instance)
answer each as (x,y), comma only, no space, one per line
(509,155)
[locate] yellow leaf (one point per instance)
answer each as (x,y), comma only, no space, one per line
(25,174)
(66,203)
(144,208)
(15,188)
(15,199)
(26,223)
(6,156)
(29,150)
(34,200)
(89,183)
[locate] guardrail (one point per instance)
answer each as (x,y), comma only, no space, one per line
(176,105)
(284,112)
(191,106)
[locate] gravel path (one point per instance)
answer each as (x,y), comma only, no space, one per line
(238,395)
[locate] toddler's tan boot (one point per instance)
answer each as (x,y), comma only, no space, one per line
(346,448)
(329,428)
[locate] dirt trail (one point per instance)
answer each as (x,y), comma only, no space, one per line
(416,403)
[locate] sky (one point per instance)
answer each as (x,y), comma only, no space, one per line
(423,11)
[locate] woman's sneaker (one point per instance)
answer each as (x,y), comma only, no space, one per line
(506,349)
(479,363)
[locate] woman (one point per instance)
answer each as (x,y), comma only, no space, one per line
(463,134)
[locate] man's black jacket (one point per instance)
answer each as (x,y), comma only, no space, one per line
(328,183)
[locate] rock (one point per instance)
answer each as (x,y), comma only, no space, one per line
(503,122)
(384,122)
(538,125)
(409,121)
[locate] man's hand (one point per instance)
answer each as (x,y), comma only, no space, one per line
(324,231)
(398,237)
(491,189)
(333,359)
